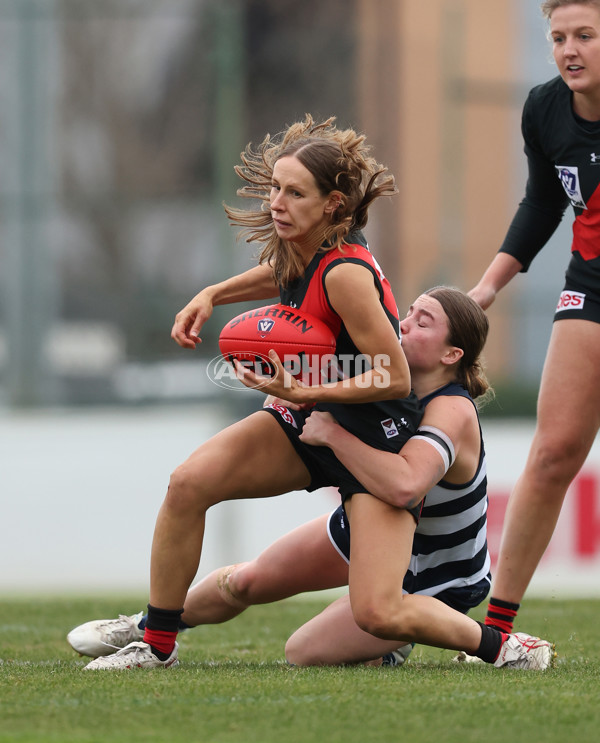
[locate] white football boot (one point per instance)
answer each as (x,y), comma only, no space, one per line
(104,636)
(463,657)
(518,651)
(526,652)
(397,657)
(134,655)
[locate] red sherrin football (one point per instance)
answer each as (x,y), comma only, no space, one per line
(296,336)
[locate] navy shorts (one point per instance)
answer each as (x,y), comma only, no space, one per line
(577,303)
(460,598)
(324,467)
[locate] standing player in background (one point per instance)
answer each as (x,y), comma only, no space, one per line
(561,129)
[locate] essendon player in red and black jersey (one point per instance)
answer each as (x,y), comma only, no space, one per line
(316,184)
(309,292)
(561,129)
(384,423)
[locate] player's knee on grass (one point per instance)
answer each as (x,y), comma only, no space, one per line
(294,652)
(300,651)
(382,619)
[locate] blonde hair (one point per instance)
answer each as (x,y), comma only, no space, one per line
(468,328)
(338,159)
(549,6)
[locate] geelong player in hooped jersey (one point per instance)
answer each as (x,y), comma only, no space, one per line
(561,129)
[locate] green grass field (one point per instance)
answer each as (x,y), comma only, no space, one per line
(234,685)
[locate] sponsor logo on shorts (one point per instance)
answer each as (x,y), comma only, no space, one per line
(570,301)
(389,428)
(284,413)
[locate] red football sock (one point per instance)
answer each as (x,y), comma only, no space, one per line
(160,640)
(501,614)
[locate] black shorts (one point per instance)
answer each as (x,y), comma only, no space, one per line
(324,467)
(577,303)
(460,598)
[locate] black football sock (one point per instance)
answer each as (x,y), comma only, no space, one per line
(491,642)
(182,625)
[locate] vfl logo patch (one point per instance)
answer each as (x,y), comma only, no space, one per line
(389,428)
(570,301)
(569,177)
(265,326)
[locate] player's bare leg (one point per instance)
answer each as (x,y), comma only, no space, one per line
(252,458)
(380,552)
(567,422)
(334,638)
(303,560)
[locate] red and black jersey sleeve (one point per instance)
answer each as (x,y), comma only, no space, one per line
(541,210)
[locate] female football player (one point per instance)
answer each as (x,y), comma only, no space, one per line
(561,129)
(315,183)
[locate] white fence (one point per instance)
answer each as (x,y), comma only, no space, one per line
(81,490)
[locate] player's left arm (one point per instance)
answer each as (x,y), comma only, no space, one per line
(449,449)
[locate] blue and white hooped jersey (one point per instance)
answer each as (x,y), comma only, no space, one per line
(450,543)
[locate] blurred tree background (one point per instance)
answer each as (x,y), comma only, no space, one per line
(120,124)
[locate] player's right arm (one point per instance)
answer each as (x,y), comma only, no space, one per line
(257,283)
